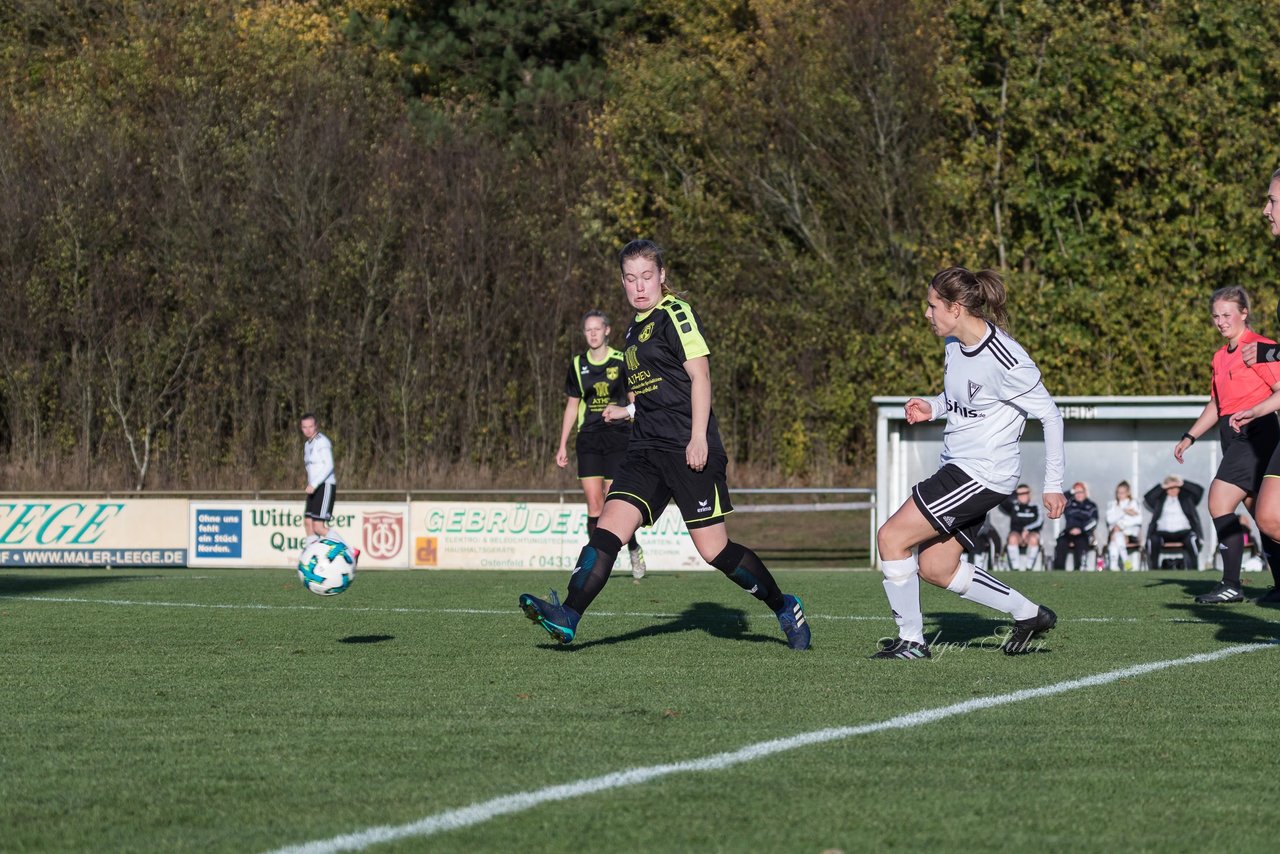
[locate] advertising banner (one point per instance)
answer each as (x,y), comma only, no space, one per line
(93,532)
(517,535)
(270,533)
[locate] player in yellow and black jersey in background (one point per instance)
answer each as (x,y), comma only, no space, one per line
(596,379)
(675,453)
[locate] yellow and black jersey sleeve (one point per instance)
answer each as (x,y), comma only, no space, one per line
(687,330)
(572,385)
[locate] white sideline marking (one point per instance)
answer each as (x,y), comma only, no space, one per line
(857,618)
(483,811)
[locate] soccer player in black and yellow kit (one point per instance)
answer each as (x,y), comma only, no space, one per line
(596,379)
(675,452)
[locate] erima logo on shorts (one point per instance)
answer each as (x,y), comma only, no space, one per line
(704,506)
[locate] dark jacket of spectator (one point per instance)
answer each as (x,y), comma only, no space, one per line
(1022,517)
(1189,497)
(1082,514)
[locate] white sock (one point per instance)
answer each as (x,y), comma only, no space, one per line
(1117,553)
(1015,558)
(1033,554)
(311,538)
(977,586)
(902,586)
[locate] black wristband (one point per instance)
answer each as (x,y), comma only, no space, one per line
(1189,438)
(1269,352)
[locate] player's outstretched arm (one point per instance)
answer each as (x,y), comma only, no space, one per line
(1054,504)
(699,371)
(918,410)
(1208,418)
(1266,407)
(566,427)
(1041,406)
(1255,352)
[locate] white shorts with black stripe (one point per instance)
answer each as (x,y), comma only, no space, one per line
(320,502)
(955,504)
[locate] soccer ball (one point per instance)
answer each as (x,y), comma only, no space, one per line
(328,566)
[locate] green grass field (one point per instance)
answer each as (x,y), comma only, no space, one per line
(204,710)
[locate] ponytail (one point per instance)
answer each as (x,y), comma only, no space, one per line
(982,293)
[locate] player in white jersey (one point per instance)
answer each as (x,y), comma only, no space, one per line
(322,486)
(990,388)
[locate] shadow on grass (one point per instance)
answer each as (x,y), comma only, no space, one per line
(957,627)
(366,638)
(953,629)
(25,585)
(1239,622)
(1192,583)
(709,617)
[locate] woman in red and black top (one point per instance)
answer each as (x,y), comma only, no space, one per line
(1248,443)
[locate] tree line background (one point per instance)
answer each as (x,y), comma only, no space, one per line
(216,216)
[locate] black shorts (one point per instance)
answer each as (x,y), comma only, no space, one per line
(320,502)
(600,452)
(955,504)
(650,478)
(1247,455)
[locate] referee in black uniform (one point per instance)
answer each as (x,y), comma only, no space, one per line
(675,453)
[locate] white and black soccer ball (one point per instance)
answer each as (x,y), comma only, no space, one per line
(327,566)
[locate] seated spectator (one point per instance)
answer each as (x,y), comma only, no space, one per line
(1253,559)
(1080,519)
(1174,519)
(1025,522)
(985,542)
(1124,521)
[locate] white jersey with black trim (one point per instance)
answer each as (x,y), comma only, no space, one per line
(989,391)
(317,456)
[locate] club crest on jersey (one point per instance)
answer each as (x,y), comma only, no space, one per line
(974,388)
(647,332)
(611,374)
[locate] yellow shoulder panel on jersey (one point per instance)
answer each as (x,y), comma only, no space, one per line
(577,372)
(690,335)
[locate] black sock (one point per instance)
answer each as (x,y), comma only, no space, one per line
(746,570)
(1231,546)
(1271,549)
(592,521)
(591,572)
(633,544)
